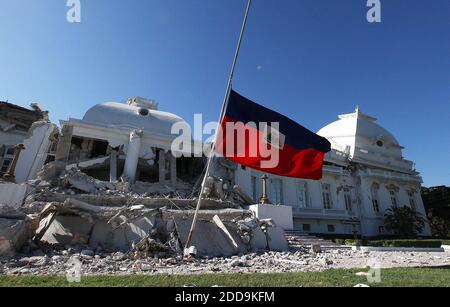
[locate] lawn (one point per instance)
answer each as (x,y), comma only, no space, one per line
(411,277)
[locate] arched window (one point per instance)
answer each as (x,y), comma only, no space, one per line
(326,194)
(375,198)
(302,194)
(412,200)
(277,191)
(393,195)
(348,200)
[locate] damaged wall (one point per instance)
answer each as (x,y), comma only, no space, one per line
(41,137)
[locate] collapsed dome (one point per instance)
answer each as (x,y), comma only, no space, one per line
(132,116)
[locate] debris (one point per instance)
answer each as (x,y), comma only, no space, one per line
(219,223)
(67,209)
(12,194)
(85,183)
(190,252)
(316,249)
(88,253)
(14,232)
(237,263)
(243,195)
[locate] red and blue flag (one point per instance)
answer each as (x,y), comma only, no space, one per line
(300,152)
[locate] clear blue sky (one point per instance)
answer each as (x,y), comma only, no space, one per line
(308,59)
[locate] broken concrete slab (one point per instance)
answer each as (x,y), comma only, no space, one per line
(226,232)
(13,235)
(208,239)
(51,171)
(109,239)
(139,228)
(39,140)
(258,240)
(120,201)
(262,235)
(277,239)
(225,215)
(87,184)
(89,164)
(176,189)
(281,215)
(12,195)
(44,224)
(68,230)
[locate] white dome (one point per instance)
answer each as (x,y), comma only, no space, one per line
(356,131)
(131,117)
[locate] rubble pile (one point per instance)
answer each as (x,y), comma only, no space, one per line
(88,263)
(67,210)
(72,221)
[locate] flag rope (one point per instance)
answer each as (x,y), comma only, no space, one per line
(222,113)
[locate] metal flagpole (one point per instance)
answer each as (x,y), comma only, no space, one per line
(222,113)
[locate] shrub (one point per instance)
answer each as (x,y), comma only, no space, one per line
(398,243)
(439,226)
(408,243)
(404,222)
(356,242)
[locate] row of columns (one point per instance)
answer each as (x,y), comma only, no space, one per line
(166,161)
(131,160)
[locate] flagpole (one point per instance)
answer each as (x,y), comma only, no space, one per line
(222,113)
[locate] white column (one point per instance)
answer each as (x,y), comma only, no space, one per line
(173,169)
(162,166)
(132,158)
(113,166)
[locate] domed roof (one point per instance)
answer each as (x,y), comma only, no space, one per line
(360,130)
(132,116)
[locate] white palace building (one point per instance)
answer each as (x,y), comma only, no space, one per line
(364,175)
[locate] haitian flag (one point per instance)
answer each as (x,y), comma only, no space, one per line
(265,140)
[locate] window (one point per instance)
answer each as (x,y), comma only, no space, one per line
(277,191)
(412,200)
(144,112)
(381,230)
(326,194)
(306,227)
(5,165)
(7,159)
(348,200)
(375,200)
(331,228)
(254,189)
(11,151)
(302,195)
(393,196)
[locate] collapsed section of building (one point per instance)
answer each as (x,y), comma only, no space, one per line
(118,158)
(110,182)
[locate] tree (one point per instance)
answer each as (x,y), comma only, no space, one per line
(439,226)
(404,222)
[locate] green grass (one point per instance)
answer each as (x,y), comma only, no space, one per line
(410,277)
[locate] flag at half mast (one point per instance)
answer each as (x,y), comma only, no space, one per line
(262,139)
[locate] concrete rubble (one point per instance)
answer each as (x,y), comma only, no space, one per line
(66,209)
(115,230)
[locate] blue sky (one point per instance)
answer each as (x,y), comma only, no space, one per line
(308,59)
